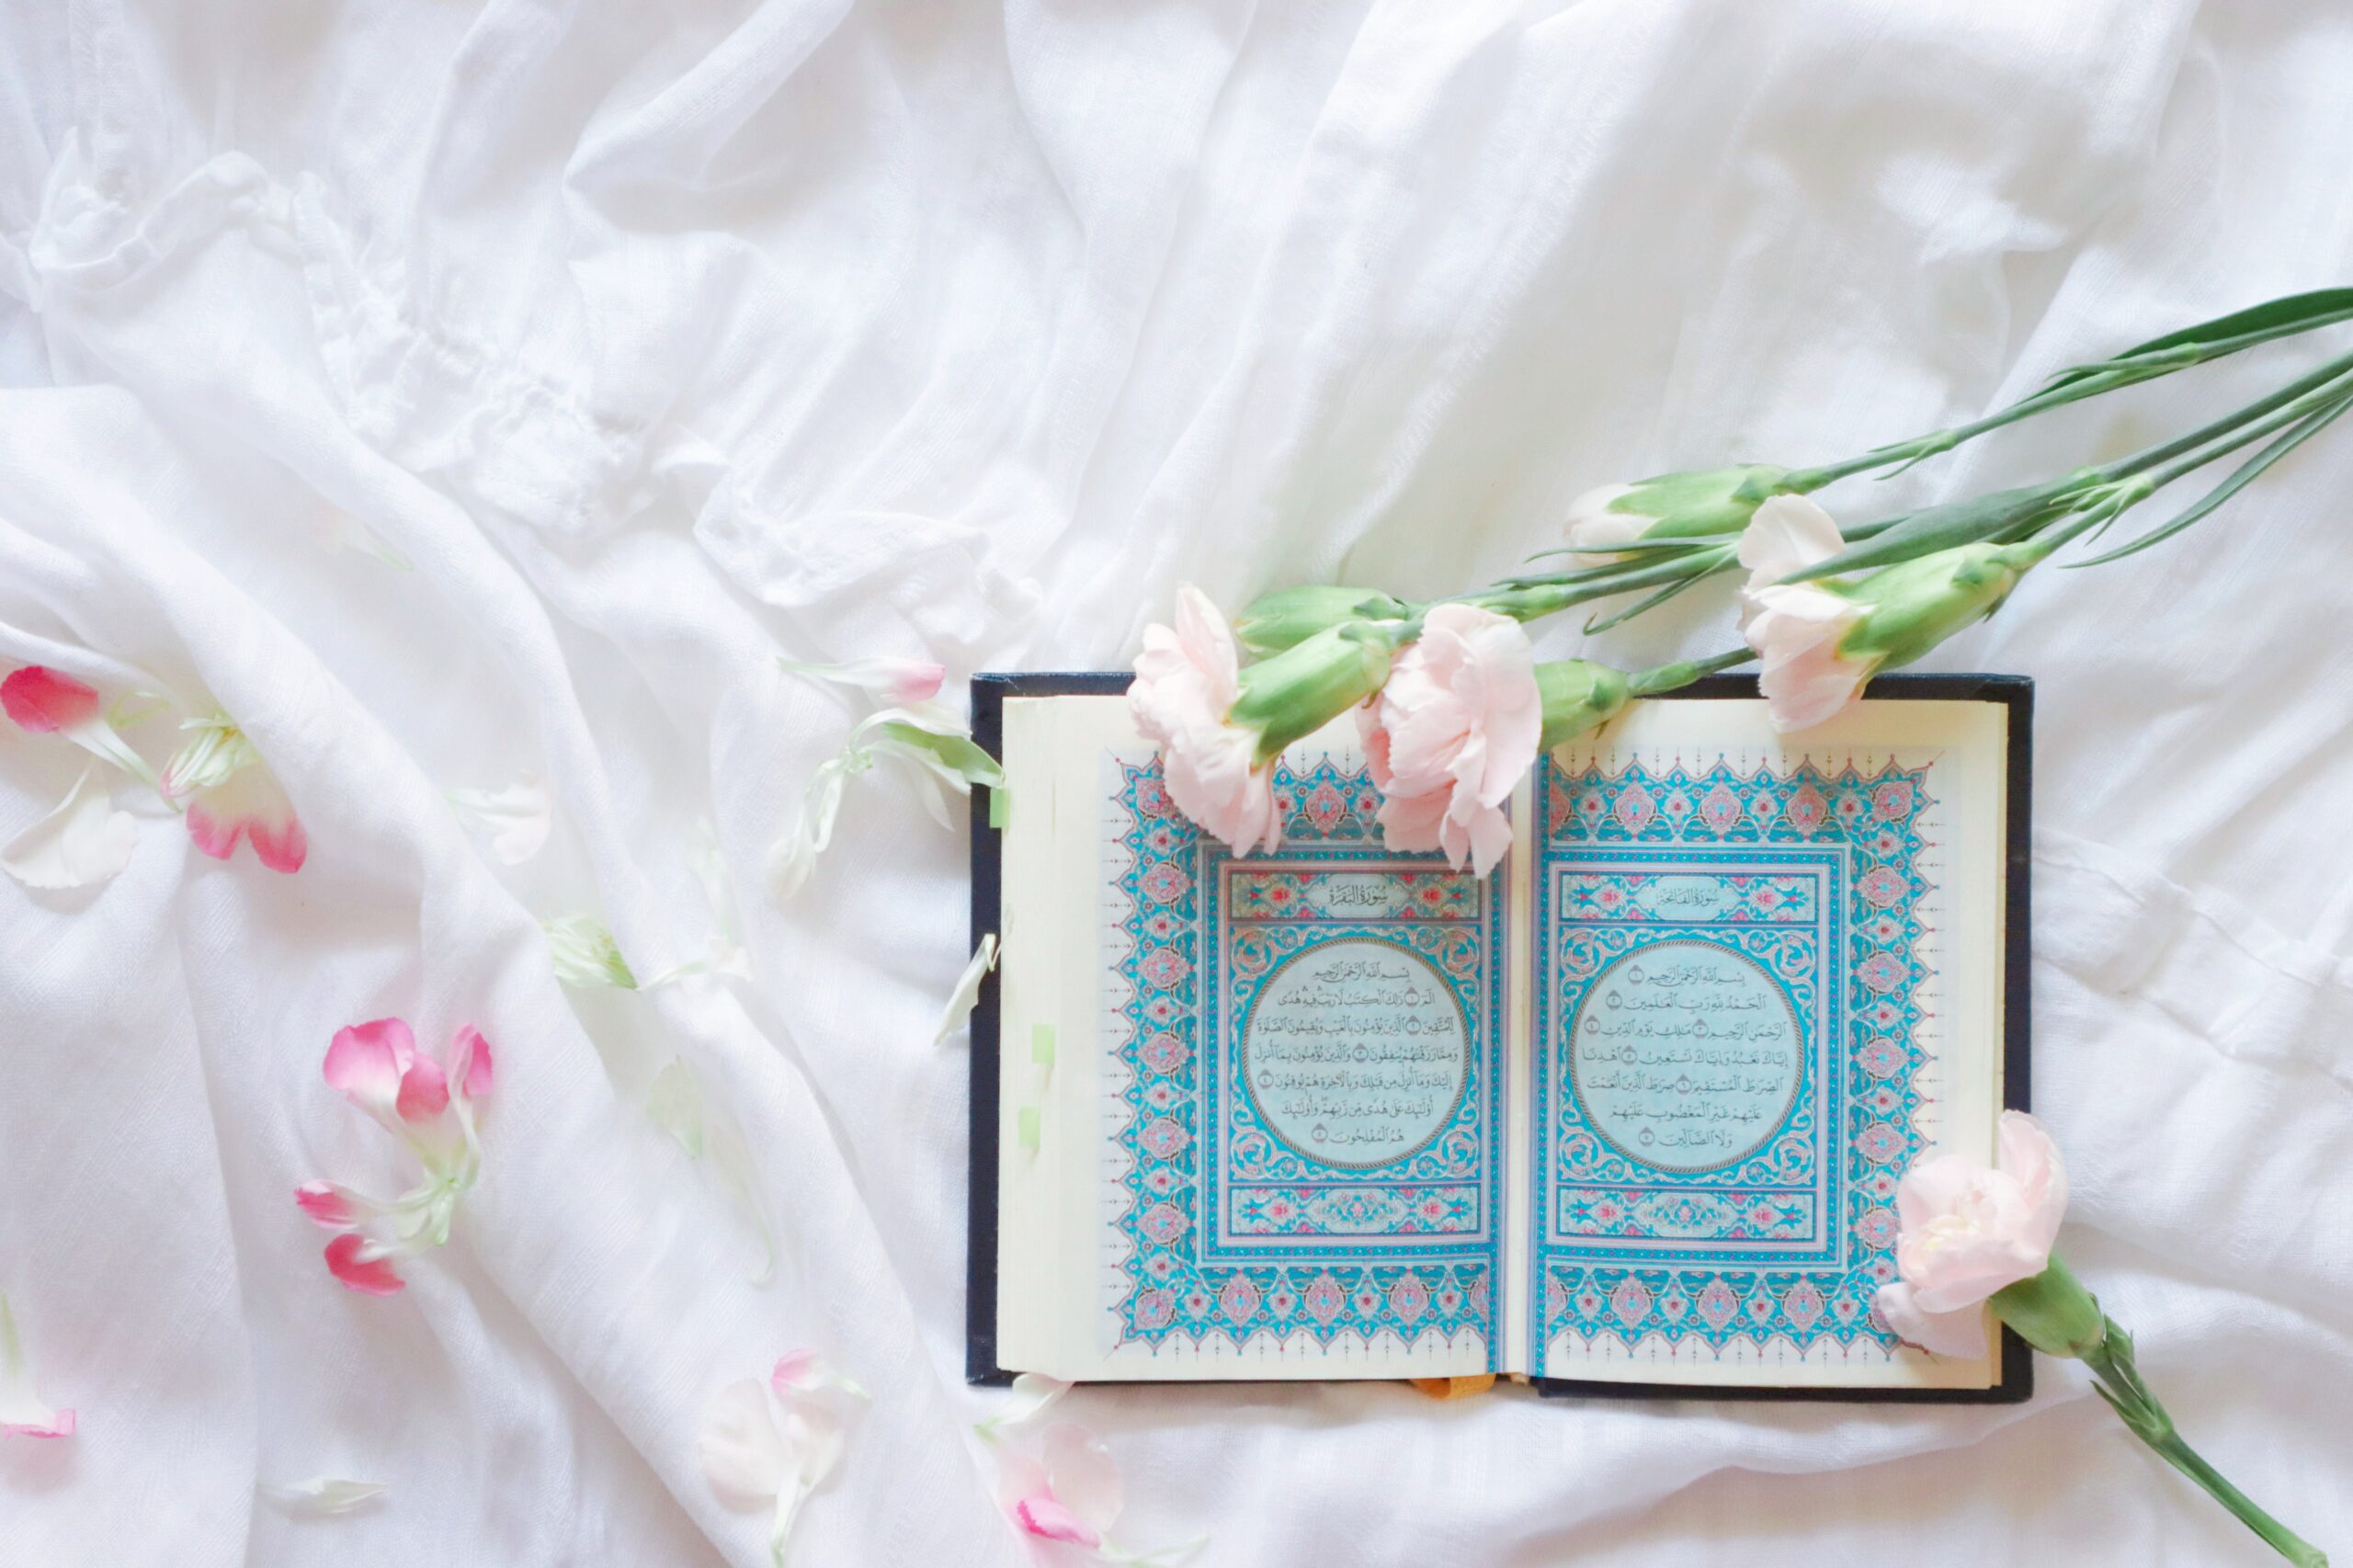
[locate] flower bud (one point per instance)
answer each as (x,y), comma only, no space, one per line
(2053,1313)
(1297,693)
(1673,505)
(1912,606)
(1578,696)
(1274,622)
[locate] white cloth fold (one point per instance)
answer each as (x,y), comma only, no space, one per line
(637,344)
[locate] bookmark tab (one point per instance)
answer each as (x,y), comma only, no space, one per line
(1041,1044)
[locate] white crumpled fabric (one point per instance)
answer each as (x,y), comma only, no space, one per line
(655,341)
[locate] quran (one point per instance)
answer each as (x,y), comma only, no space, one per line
(1625,1116)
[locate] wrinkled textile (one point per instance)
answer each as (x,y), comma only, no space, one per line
(457,391)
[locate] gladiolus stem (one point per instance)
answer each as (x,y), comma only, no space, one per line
(2121,1384)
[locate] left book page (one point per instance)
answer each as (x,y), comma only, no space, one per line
(1251,1118)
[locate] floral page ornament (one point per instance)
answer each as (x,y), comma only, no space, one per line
(429,1106)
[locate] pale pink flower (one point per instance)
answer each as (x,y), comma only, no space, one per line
(22,1415)
(230,793)
(429,1106)
(1187,679)
(752,1458)
(1595,527)
(1796,628)
(895,683)
(1453,732)
(1967,1231)
(1067,1489)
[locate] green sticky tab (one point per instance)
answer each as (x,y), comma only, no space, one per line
(1041,1044)
(997,802)
(1026,1124)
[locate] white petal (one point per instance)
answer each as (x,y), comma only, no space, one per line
(792,857)
(968,989)
(1085,1479)
(85,840)
(516,818)
(744,1456)
(322,1494)
(1033,1393)
(675,1102)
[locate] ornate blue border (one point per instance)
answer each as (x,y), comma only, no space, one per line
(1182,1279)
(1868,827)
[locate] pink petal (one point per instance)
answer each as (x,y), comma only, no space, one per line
(327,1204)
(2028,1157)
(369,1275)
(470,1062)
(249,803)
(368,1061)
(424,1091)
(59,1425)
(1048,1521)
(913,681)
(43,701)
(1958,1333)
(1085,1480)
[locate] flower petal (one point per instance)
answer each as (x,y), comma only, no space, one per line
(249,803)
(1084,1477)
(320,1496)
(424,1091)
(806,1371)
(334,1206)
(516,818)
(1046,1518)
(2028,1157)
(968,988)
(43,701)
(470,1068)
(367,1061)
(22,1415)
(898,683)
(85,840)
(743,1454)
(1960,1334)
(359,1264)
(585,954)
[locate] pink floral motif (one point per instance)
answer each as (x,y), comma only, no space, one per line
(1880,1142)
(1803,1305)
(1635,810)
(1883,972)
(1166,882)
(1808,810)
(1883,886)
(1325,1300)
(1893,800)
(1720,809)
(1165,1137)
(1409,1298)
(1718,1305)
(429,1105)
(1629,1302)
(1239,1299)
(1165,1053)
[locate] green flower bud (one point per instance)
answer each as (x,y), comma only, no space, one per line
(1578,696)
(2053,1313)
(1297,693)
(1288,617)
(1912,606)
(1717,502)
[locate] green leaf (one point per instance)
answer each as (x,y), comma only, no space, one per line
(2226,334)
(1955,523)
(2242,476)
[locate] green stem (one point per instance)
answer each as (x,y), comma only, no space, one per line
(2115,375)
(1668,677)
(2121,1384)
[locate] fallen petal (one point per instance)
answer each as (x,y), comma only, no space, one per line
(85,840)
(516,818)
(675,1102)
(743,1454)
(585,954)
(469,1065)
(367,1061)
(1048,1521)
(248,803)
(806,1371)
(337,1208)
(352,1259)
(321,1495)
(43,701)
(968,989)
(424,1091)
(1085,1479)
(22,1415)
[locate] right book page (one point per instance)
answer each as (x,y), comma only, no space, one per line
(1765,979)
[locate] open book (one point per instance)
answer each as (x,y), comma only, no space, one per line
(1627,1114)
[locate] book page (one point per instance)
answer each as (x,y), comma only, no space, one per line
(1251,1109)
(1766,979)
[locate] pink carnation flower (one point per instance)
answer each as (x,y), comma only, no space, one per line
(1453,733)
(1186,680)
(1968,1231)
